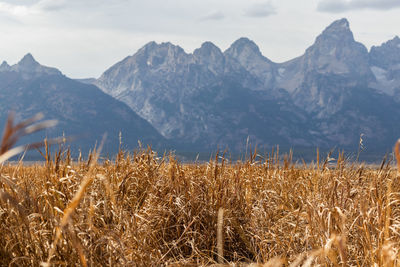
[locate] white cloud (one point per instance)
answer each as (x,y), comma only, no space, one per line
(214,15)
(14,10)
(261,10)
(338,6)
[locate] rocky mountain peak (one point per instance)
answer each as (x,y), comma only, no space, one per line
(165,49)
(210,55)
(150,46)
(4,66)
(338,25)
(334,59)
(386,55)
(30,68)
(338,33)
(154,55)
(243,46)
(28,61)
(245,52)
(395,43)
(207,49)
(336,51)
(153,47)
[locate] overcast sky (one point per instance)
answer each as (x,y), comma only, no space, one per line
(83,38)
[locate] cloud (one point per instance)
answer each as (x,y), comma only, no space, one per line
(14,10)
(51,5)
(24,8)
(20,2)
(260,10)
(338,6)
(214,15)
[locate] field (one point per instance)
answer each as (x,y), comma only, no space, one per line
(141,209)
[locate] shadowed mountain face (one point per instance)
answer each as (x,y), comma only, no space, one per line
(327,97)
(81,109)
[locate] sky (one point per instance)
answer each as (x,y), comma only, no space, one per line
(83,38)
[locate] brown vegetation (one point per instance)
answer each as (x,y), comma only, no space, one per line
(141,210)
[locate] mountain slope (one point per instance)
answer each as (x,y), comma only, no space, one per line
(81,109)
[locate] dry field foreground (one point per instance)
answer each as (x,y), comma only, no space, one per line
(140,210)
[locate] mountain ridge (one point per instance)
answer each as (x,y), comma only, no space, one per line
(163,84)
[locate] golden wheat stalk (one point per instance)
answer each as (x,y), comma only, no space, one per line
(86,182)
(220,236)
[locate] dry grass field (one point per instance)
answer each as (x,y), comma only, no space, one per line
(145,210)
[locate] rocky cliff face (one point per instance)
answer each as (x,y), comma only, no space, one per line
(385,64)
(81,109)
(326,97)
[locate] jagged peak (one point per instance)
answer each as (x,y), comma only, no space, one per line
(340,24)
(209,45)
(4,64)
(28,59)
(394,41)
(207,48)
(338,30)
(153,46)
(338,33)
(29,67)
(150,44)
(170,45)
(243,43)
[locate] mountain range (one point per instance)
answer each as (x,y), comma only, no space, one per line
(328,97)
